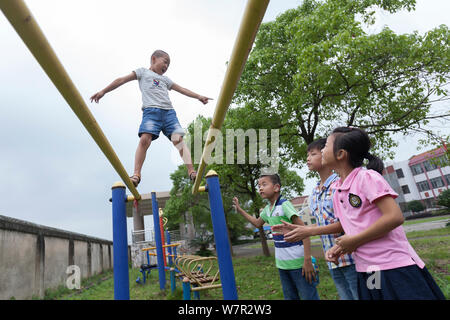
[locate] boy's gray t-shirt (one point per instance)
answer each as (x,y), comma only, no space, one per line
(154,88)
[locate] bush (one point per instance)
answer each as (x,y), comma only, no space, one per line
(202,241)
(415,206)
(444,198)
(204,253)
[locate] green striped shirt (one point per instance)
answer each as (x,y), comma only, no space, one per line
(288,255)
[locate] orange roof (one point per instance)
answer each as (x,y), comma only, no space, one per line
(427,155)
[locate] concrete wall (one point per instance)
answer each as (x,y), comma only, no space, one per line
(34,258)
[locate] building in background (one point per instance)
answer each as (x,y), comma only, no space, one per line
(301,204)
(423,177)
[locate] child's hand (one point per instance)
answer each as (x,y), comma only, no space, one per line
(204,99)
(347,243)
(284,227)
(333,254)
(308,271)
(298,233)
(236,203)
(97,96)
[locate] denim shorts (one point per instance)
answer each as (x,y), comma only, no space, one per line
(296,287)
(155,120)
(346,282)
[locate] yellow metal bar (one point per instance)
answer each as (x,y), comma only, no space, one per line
(214,286)
(164,246)
(253,15)
(26,26)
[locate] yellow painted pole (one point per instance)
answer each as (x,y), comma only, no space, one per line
(26,26)
(253,15)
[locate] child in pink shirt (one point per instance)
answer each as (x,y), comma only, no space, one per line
(387,265)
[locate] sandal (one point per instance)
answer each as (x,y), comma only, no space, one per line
(193,175)
(135,179)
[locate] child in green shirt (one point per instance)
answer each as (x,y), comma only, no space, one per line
(293,259)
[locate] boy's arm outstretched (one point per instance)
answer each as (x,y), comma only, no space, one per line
(257,222)
(190,93)
(113,85)
(294,233)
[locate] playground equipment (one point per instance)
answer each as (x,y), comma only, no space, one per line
(27,28)
(199,272)
(146,268)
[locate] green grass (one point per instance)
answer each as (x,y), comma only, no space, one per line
(258,245)
(428,233)
(91,289)
(257,277)
(435,253)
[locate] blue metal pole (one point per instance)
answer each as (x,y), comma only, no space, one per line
(120,243)
(159,249)
(221,237)
(186,289)
(196,293)
(173,283)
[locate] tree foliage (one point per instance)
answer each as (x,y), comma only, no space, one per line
(415,206)
(315,68)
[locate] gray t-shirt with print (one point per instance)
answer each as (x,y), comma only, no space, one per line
(154,88)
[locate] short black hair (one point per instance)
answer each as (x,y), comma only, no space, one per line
(318,144)
(274,178)
(159,53)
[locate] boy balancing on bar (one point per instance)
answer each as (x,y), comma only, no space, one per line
(158,112)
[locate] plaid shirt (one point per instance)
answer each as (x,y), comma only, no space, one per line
(321,205)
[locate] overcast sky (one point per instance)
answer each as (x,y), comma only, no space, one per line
(52,172)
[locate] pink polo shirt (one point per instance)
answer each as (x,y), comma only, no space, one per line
(353,204)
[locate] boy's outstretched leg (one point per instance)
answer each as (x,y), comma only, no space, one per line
(185,154)
(141,151)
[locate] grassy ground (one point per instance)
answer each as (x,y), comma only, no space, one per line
(257,277)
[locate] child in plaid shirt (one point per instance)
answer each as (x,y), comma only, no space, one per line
(321,205)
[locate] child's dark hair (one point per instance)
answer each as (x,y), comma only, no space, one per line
(274,178)
(318,144)
(357,143)
(159,53)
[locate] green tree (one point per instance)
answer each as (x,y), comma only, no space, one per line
(415,206)
(315,68)
(444,198)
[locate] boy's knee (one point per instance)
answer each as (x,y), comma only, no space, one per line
(146,139)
